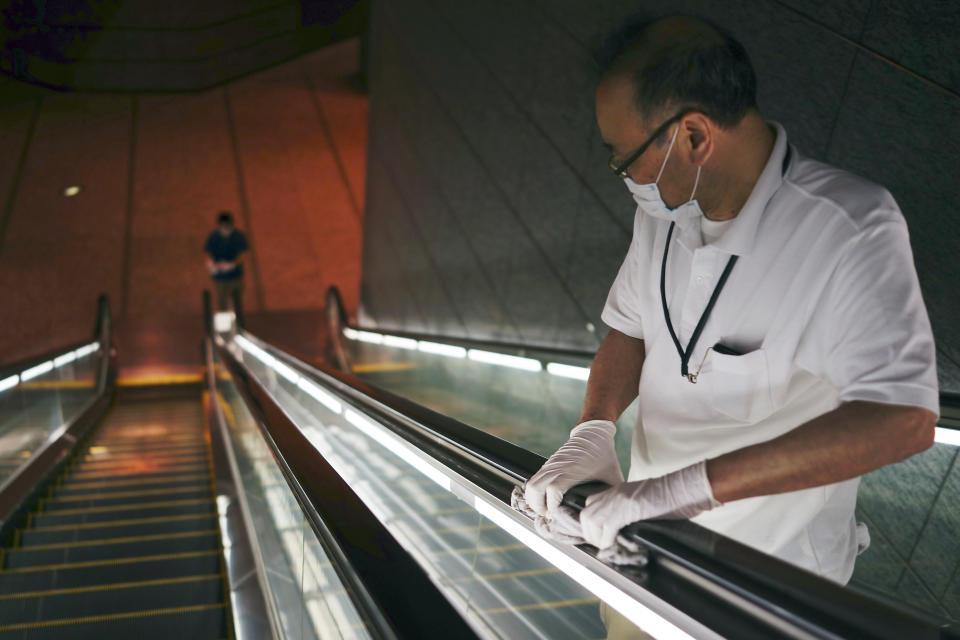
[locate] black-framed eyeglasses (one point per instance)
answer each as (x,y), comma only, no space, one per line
(621,169)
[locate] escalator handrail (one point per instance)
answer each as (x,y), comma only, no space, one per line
(380,576)
(802,600)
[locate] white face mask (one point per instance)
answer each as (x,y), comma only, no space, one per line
(649,200)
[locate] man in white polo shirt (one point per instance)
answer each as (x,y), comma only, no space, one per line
(767,312)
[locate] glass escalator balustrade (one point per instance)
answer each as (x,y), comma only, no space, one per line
(306,594)
(37,402)
(507,581)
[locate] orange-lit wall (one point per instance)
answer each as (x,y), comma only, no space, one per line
(284,149)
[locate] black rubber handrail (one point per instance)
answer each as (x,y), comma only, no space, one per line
(793,603)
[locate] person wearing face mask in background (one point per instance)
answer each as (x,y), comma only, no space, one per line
(224,248)
(767,314)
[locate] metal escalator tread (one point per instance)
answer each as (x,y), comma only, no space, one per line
(126,541)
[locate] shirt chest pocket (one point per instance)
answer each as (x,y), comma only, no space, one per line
(739,386)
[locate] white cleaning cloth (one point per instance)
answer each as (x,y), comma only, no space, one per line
(565,528)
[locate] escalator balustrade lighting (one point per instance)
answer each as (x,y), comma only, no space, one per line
(400,343)
(502,359)
(368,336)
(66,358)
(947,436)
(500,514)
(320,395)
(441,349)
(48,366)
(477,355)
(408,454)
(9,383)
(568,371)
(37,371)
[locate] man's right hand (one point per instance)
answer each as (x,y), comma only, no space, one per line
(588,455)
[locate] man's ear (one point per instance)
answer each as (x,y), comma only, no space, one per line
(700,132)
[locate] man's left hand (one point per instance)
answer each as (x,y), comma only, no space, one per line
(681,494)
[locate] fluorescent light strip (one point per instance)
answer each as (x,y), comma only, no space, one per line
(439,349)
(398,447)
(568,371)
(256,352)
(9,383)
(320,395)
(66,358)
(645,618)
(370,336)
(351,334)
(292,376)
(38,370)
(515,362)
(947,436)
(87,350)
(400,343)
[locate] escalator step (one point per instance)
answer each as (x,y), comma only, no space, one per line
(133,472)
(96,453)
(117,528)
(109,488)
(111,599)
(135,496)
(172,565)
(112,548)
(134,442)
(197,621)
(136,463)
(69,481)
(105,514)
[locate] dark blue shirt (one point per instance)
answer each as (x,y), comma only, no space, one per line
(226,248)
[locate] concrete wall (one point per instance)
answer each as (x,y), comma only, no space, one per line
(491,211)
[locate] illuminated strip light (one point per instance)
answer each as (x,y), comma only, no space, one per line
(502,359)
(351,334)
(320,395)
(640,615)
(947,436)
(568,371)
(38,370)
(256,351)
(9,383)
(398,447)
(66,358)
(369,336)
(87,350)
(400,343)
(439,349)
(292,376)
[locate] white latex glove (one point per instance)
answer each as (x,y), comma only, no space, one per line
(588,455)
(681,494)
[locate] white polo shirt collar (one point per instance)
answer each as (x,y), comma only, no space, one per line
(739,238)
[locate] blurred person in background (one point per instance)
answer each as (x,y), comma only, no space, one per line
(224,248)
